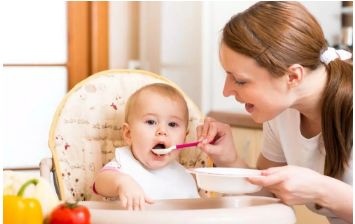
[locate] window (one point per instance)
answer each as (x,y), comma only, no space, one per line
(35,78)
(41,65)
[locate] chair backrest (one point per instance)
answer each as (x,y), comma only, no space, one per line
(87,125)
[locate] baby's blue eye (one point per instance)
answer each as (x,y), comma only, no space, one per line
(150,122)
(173,124)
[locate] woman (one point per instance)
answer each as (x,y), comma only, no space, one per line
(278,64)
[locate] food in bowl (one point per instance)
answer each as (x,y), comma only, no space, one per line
(226,180)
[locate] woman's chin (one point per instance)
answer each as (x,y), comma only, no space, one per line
(257,119)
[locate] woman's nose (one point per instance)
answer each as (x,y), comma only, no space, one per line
(228,88)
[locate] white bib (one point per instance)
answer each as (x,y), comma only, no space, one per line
(169,182)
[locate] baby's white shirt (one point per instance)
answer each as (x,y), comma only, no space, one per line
(283,142)
(169,182)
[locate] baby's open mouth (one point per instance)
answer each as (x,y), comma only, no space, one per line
(159,146)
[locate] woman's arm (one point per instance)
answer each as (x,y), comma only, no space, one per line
(336,196)
(264,163)
(298,185)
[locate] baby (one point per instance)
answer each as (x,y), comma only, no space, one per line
(156,116)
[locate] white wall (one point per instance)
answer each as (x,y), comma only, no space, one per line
(181,46)
(219,13)
(327,13)
(180,41)
(32,95)
(123,33)
(150,36)
(34,33)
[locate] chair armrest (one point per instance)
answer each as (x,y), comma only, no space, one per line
(45,168)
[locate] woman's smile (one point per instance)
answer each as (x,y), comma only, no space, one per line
(249,107)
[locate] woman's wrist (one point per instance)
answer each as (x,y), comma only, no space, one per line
(322,193)
(332,192)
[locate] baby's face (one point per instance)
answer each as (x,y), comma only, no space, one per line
(156,122)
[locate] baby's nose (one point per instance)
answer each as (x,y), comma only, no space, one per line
(161,131)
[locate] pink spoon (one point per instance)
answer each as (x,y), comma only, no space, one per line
(174,147)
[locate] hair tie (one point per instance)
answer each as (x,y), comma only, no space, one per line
(331,54)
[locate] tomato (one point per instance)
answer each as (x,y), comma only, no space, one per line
(67,213)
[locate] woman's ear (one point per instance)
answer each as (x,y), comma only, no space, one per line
(295,75)
(127,134)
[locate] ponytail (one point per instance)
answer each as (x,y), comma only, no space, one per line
(337,117)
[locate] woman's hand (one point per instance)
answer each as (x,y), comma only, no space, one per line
(131,195)
(297,185)
(292,184)
(222,151)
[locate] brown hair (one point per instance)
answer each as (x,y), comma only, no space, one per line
(161,88)
(279,34)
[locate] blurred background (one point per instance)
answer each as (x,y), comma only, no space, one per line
(49,46)
(54,45)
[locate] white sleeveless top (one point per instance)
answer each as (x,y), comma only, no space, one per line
(169,182)
(283,142)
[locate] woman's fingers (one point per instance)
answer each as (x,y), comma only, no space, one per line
(269,177)
(199,132)
(268,180)
(206,148)
(272,170)
(205,127)
(208,131)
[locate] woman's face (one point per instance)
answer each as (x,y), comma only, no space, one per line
(263,95)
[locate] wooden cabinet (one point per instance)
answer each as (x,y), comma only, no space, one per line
(306,216)
(248,143)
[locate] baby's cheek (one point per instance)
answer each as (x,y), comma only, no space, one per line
(174,155)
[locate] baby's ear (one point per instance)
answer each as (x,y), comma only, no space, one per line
(126,134)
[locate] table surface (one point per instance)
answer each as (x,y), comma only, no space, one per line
(236,209)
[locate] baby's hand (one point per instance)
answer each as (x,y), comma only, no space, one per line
(131,195)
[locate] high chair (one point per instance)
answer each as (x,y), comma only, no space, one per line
(87,126)
(85,131)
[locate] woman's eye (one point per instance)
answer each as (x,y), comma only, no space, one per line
(150,122)
(173,124)
(240,83)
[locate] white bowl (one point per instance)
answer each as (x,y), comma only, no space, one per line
(226,180)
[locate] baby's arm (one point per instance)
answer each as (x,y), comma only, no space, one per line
(112,183)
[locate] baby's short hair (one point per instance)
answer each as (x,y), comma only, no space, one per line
(161,88)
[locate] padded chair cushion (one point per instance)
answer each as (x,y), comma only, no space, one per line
(87,127)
